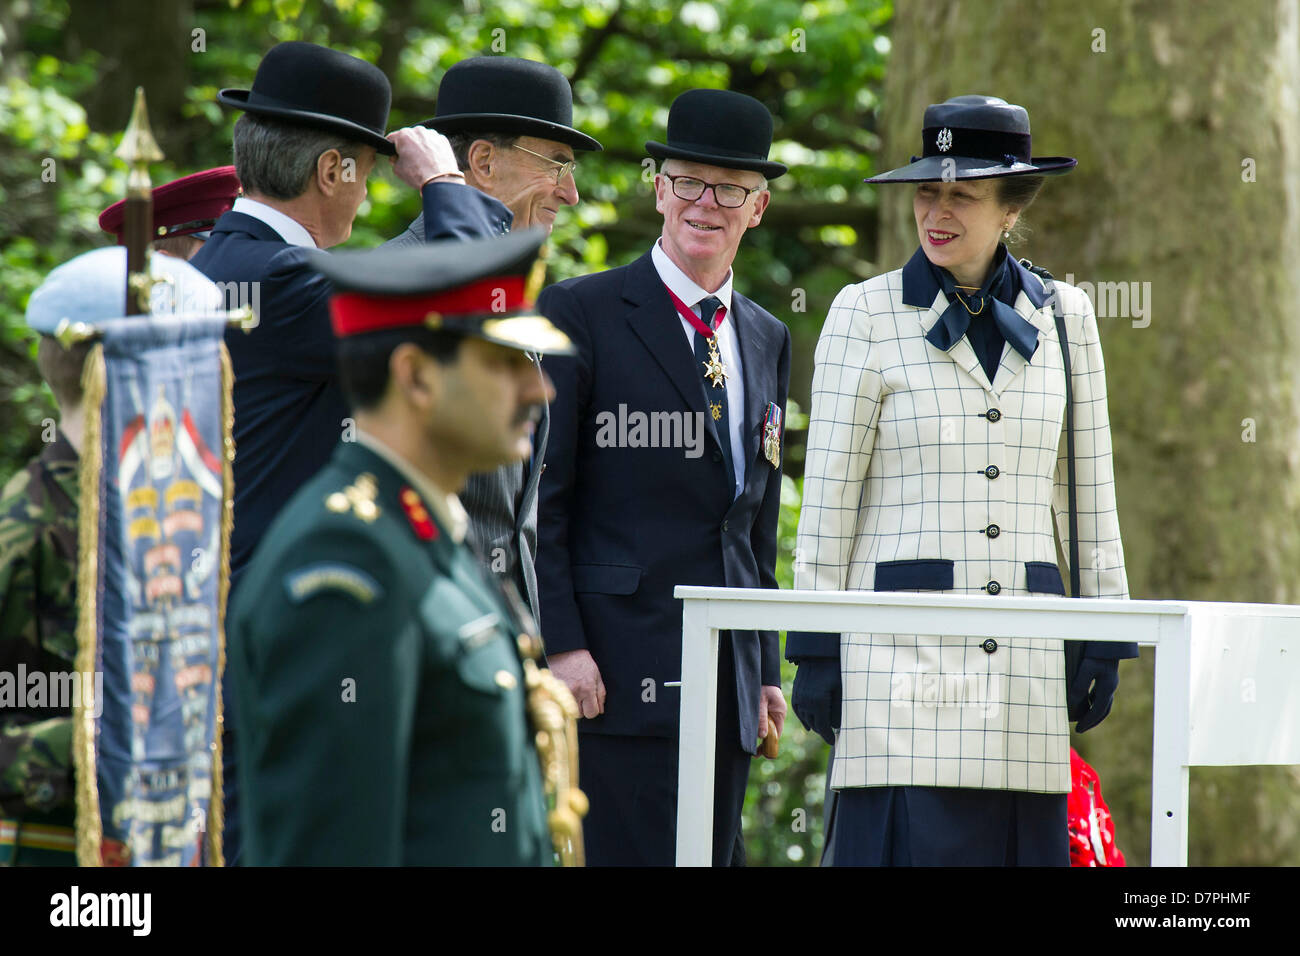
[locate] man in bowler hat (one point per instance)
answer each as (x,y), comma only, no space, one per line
(625,517)
(312,129)
(380,679)
(510,125)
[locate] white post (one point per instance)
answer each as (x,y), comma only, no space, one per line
(696,736)
(1169,745)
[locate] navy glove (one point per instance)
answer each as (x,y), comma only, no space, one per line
(816,696)
(1091,691)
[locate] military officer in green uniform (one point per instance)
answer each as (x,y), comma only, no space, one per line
(381,680)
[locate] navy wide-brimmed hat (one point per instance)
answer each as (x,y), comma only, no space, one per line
(504,94)
(326,89)
(975,137)
(719,128)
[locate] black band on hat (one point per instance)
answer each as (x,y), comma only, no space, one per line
(978,143)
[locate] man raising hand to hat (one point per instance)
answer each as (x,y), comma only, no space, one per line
(312,128)
(510,125)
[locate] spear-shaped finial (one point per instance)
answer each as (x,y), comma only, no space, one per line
(138,149)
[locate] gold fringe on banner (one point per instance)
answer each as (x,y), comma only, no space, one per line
(217,803)
(90,833)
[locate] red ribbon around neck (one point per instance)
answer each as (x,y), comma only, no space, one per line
(689,315)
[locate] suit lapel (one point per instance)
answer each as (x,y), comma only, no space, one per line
(1013,363)
(758,347)
(960,354)
(655,322)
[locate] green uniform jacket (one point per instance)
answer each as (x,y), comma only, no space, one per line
(378,687)
(38,617)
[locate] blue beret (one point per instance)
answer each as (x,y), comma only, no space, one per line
(92,288)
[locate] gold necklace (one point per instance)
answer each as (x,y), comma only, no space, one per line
(963,301)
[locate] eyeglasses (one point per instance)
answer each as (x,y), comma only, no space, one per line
(729,195)
(561,169)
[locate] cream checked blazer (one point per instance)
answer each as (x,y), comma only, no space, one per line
(923,475)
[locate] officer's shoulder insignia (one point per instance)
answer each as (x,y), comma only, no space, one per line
(331,576)
(479,631)
(358,497)
(417,514)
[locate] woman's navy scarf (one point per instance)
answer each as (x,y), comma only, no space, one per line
(996,320)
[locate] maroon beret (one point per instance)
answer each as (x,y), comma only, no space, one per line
(184,206)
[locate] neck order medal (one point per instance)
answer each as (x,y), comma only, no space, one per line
(713,368)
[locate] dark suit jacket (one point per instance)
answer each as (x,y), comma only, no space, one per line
(289,405)
(502,504)
(621,526)
(490,217)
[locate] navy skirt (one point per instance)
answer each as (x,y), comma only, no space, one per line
(946,826)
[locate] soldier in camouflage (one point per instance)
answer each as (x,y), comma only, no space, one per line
(38,615)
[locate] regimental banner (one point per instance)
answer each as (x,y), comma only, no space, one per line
(156,494)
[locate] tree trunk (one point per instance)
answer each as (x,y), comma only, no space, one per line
(1202,377)
(141,43)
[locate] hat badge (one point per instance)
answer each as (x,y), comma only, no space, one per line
(944,140)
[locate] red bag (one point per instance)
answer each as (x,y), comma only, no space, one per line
(1092,832)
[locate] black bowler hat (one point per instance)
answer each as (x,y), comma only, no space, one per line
(504,94)
(325,89)
(975,137)
(475,287)
(719,128)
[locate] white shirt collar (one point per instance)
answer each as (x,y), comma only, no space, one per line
(446,507)
(290,230)
(682,285)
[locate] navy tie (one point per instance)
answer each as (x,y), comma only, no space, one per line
(716,395)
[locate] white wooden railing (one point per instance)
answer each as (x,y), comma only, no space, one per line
(1227,678)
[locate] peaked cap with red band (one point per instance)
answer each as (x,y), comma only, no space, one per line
(182,207)
(476,287)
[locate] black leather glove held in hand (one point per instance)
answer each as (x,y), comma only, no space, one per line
(1089,704)
(816,696)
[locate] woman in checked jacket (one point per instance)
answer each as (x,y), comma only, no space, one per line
(936,458)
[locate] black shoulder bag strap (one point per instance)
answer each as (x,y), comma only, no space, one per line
(1073,649)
